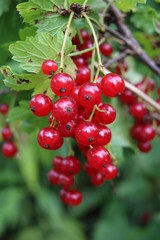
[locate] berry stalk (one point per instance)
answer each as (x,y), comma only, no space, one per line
(65,39)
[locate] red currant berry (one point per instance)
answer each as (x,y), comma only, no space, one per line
(71,197)
(136,130)
(84,36)
(79,61)
(89,169)
(158,92)
(70,166)
(89,95)
(62,84)
(86,133)
(147,133)
(104,136)
(121,67)
(74,94)
(106,49)
(83,114)
(64,109)
(4,108)
(138,110)
(98,156)
(57,163)
(49,67)
(41,105)
(151,84)
(112,85)
(86,45)
(67,129)
(109,171)
(144,147)
(49,138)
(127,97)
(7,134)
(99,80)
(65,181)
(9,149)
(84,149)
(97,179)
(83,75)
(53,177)
(106,113)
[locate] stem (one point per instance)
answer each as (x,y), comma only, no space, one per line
(118,58)
(86,50)
(84,4)
(92,65)
(135,90)
(93,111)
(96,43)
(97,23)
(104,12)
(70,150)
(65,39)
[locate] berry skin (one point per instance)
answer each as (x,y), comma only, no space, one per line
(64,109)
(106,115)
(83,75)
(109,171)
(7,134)
(67,129)
(79,61)
(41,105)
(144,147)
(70,166)
(62,84)
(74,94)
(49,67)
(65,181)
(57,163)
(97,179)
(9,149)
(127,97)
(106,49)
(49,138)
(86,133)
(89,95)
(98,156)
(138,110)
(4,108)
(158,92)
(104,136)
(84,35)
(112,85)
(121,67)
(71,197)
(147,133)
(136,130)
(86,45)
(89,169)
(99,80)
(53,177)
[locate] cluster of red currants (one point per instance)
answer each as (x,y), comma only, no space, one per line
(79,112)
(143,130)
(9,148)
(62,174)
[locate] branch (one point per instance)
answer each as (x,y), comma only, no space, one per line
(126,35)
(135,90)
(118,58)
(5,91)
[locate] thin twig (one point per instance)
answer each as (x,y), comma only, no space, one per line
(126,35)
(121,56)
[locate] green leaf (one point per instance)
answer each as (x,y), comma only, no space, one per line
(20,112)
(21,82)
(34,11)
(34,50)
(4,6)
(27,32)
(126,6)
(145,23)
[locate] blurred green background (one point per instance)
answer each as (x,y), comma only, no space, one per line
(126,209)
